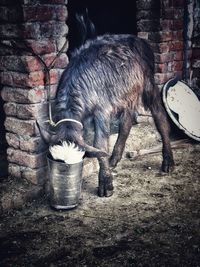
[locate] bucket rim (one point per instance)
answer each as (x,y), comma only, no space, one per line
(49,157)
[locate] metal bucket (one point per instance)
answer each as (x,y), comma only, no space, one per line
(65,181)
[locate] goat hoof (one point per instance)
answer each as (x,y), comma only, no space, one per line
(105,192)
(167,167)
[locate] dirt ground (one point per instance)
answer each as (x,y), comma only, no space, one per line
(151,220)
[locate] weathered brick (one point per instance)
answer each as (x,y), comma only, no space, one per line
(31,2)
(164,57)
(25,143)
(19,95)
(32,79)
(10,109)
(44,46)
(178,65)
(45,12)
(163,67)
(61,61)
(148,25)
(31,111)
(20,63)
(178,55)
(147,14)
(50,29)
(9,31)
(21,127)
(62,43)
(161,78)
(178,35)
(13,140)
(35,176)
(26,111)
(166,24)
(147,4)
(161,47)
(14,170)
(34,144)
(11,14)
(143,35)
(23,158)
(161,36)
(177,45)
(178,24)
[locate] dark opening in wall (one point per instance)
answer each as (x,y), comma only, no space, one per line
(3,143)
(107,16)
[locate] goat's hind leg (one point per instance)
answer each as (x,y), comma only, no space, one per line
(162,125)
(124,130)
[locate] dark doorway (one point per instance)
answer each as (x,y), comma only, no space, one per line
(109,16)
(3,143)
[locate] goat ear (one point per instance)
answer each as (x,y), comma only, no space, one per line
(45,131)
(92,152)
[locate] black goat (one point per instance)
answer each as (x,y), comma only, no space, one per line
(108,76)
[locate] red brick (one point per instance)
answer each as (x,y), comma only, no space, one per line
(20,63)
(178,24)
(22,79)
(161,78)
(166,24)
(161,67)
(164,57)
(177,45)
(60,62)
(178,65)
(161,36)
(178,55)
(42,46)
(161,47)
(178,35)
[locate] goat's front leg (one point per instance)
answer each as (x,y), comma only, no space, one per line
(102,132)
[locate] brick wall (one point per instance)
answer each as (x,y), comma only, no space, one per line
(196,46)
(40,25)
(162,24)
